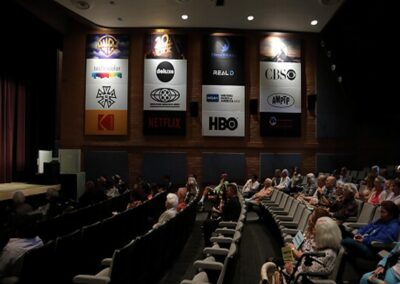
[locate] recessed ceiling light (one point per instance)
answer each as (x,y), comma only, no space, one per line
(314,22)
(82,4)
(185,17)
(250,18)
(120,19)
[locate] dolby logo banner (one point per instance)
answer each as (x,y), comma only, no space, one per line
(280,87)
(165,83)
(223,110)
(106,94)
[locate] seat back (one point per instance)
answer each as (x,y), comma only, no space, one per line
(293,208)
(367,213)
(338,264)
(299,213)
(304,220)
(377,214)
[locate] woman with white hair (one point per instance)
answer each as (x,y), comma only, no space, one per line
(170,205)
(327,240)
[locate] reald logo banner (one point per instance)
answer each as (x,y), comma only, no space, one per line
(106,100)
(223,62)
(164,90)
(280,87)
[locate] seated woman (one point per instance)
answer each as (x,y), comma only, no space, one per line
(389,275)
(345,205)
(265,192)
(378,193)
(309,241)
(385,230)
(327,244)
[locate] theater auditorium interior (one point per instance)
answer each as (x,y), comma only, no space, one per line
(199,141)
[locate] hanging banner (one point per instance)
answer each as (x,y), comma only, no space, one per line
(106,100)
(165,84)
(223,91)
(280,87)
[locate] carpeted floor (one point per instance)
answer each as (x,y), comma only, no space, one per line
(256,245)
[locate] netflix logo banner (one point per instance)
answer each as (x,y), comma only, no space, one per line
(164,123)
(165,85)
(106,100)
(280,87)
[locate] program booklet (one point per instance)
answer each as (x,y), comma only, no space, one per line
(298,240)
(287,254)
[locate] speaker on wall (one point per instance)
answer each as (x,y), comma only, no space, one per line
(253,106)
(311,100)
(194,109)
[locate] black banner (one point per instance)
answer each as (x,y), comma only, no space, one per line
(164,123)
(223,62)
(273,124)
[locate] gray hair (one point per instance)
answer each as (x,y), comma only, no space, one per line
(327,234)
(18,197)
(172,200)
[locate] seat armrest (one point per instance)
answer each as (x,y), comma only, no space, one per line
(221,240)
(91,279)
(228,224)
(225,231)
(215,251)
(106,261)
(205,264)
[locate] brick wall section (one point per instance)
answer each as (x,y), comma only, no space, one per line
(73,103)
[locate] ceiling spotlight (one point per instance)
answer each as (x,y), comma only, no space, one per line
(82,4)
(250,18)
(322,43)
(314,22)
(333,67)
(329,54)
(340,79)
(185,17)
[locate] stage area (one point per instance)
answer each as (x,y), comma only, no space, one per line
(8,189)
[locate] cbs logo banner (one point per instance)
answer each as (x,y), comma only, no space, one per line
(221,123)
(280,87)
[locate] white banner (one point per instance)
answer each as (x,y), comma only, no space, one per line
(280,87)
(106,96)
(223,123)
(223,110)
(223,98)
(106,71)
(165,84)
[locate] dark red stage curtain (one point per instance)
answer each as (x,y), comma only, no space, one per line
(12,131)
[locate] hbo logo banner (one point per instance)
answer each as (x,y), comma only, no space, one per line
(223,124)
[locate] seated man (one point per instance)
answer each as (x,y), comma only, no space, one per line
(251,186)
(265,192)
(170,205)
(26,239)
(227,211)
(214,191)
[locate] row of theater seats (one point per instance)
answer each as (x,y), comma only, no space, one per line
(82,250)
(219,263)
(146,258)
(63,224)
(289,215)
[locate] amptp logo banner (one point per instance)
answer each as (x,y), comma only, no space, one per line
(280,87)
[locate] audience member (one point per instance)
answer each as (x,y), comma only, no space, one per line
(229,211)
(182,191)
(277,177)
(345,205)
(25,239)
(91,195)
(378,193)
(284,181)
(214,192)
(387,270)
(394,191)
(20,207)
(251,186)
(295,180)
(385,230)
(254,201)
(170,205)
